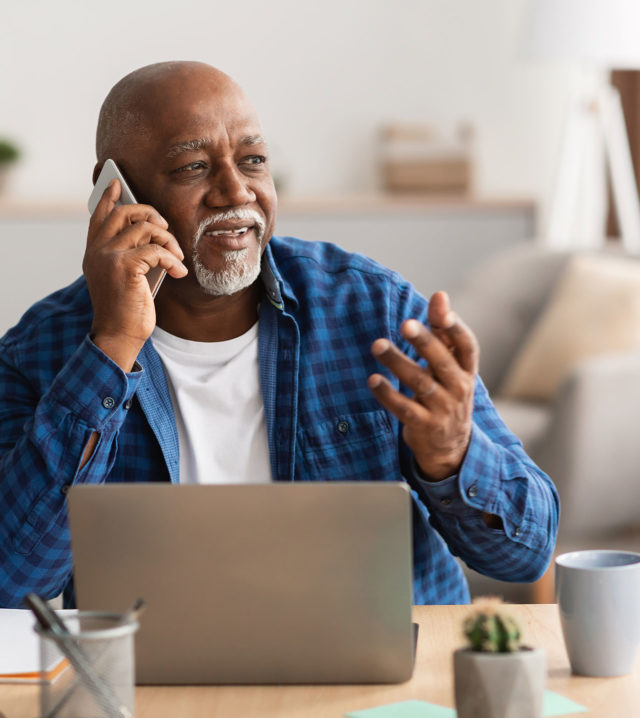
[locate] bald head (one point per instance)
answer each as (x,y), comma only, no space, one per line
(128,112)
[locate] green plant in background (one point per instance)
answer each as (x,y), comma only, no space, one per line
(9,152)
(489,629)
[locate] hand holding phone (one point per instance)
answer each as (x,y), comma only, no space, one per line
(109,172)
(126,243)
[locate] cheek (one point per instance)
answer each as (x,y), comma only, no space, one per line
(183,232)
(268,201)
(182,219)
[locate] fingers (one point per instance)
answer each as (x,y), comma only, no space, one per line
(440,314)
(443,366)
(440,352)
(114,219)
(109,218)
(107,202)
(141,233)
(152,255)
(419,380)
(125,227)
(452,331)
(406,410)
(437,419)
(118,216)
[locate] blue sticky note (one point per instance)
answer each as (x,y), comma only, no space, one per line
(557,705)
(406,709)
(554,705)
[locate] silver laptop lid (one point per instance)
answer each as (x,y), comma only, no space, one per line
(284,583)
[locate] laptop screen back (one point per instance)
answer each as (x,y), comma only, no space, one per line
(284,583)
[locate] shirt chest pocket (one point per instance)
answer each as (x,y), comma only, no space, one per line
(348,447)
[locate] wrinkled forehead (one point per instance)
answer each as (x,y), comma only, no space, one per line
(180,105)
(197,109)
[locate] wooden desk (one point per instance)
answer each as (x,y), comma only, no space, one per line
(432,681)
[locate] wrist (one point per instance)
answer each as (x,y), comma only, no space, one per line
(440,464)
(120,349)
(437,469)
(435,474)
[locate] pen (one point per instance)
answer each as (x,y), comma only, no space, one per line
(58,631)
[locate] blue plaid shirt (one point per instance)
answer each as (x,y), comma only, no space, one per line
(322,310)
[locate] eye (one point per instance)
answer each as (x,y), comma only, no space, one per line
(191,167)
(254,160)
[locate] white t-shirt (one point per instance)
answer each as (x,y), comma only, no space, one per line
(215,390)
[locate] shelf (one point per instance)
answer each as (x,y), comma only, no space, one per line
(308,205)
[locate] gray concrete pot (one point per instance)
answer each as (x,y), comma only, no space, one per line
(499,685)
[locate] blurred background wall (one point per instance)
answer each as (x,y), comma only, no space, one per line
(324,75)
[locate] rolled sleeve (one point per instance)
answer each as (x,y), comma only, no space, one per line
(495,478)
(90,394)
(94,387)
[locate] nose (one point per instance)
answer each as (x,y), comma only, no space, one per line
(229,188)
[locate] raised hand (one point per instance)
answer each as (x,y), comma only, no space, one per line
(437,419)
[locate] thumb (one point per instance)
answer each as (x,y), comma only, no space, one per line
(440,314)
(108,201)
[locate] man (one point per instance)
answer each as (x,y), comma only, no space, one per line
(253,364)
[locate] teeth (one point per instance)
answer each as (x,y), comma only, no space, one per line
(218,232)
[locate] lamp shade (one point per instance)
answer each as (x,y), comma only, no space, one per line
(601,33)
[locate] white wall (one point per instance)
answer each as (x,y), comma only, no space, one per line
(323,73)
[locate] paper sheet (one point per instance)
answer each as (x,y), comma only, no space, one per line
(557,705)
(19,648)
(406,709)
(554,705)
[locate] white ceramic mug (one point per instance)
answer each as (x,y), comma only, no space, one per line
(598,595)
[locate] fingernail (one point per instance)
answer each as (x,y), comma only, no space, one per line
(379,347)
(411,329)
(374,381)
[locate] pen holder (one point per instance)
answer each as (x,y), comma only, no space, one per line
(103,684)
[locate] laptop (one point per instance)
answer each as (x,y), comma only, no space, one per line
(253,584)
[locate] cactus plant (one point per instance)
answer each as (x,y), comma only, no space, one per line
(495,676)
(490,629)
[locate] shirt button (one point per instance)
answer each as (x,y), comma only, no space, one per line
(517,532)
(64,490)
(445,502)
(472,492)
(128,404)
(342,427)
(108,402)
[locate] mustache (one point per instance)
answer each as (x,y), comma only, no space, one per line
(231,214)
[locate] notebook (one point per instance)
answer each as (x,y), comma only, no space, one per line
(280,583)
(20,649)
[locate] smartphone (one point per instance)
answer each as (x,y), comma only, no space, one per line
(109,172)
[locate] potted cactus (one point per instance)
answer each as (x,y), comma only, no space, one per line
(495,676)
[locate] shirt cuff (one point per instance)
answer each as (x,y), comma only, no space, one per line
(474,486)
(94,387)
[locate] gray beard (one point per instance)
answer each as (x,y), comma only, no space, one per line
(239,271)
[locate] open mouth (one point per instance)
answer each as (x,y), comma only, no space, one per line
(230,231)
(229,236)
(227,232)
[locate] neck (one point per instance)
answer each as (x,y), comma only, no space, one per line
(204,318)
